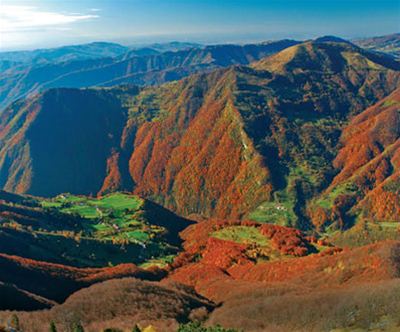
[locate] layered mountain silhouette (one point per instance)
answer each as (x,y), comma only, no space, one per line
(234,142)
(94,50)
(145,66)
(387,44)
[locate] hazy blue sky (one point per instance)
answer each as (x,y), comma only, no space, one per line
(43,23)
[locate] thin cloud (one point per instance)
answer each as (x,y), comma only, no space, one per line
(25,18)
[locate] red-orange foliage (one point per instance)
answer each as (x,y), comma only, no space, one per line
(113,180)
(369,263)
(198,159)
(224,266)
(224,254)
(288,241)
(369,160)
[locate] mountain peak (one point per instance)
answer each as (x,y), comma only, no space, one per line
(324,54)
(330,39)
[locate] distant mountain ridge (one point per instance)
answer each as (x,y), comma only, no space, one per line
(387,44)
(108,64)
(142,67)
(171,46)
(93,50)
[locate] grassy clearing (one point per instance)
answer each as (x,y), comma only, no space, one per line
(390,225)
(281,210)
(138,235)
(160,262)
(51,204)
(112,217)
(280,213)
(118,220)
(328,200)
(119,201)
(242,234)
(84,211)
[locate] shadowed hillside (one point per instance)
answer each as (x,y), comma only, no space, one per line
(81,231)
(44,284)
(120,304)
(65,135)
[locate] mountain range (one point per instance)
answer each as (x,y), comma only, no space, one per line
(278,121)
(388,44)
(145,66)
(253,186)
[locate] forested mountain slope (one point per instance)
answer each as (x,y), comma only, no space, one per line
(256,141)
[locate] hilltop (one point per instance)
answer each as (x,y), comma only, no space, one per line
(95,50)
(124,303)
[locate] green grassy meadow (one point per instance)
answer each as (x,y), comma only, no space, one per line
(86,231)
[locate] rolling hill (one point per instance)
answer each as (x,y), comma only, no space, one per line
(255,272)
(40,285)
(50,248)
(94,50)
(120,304)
